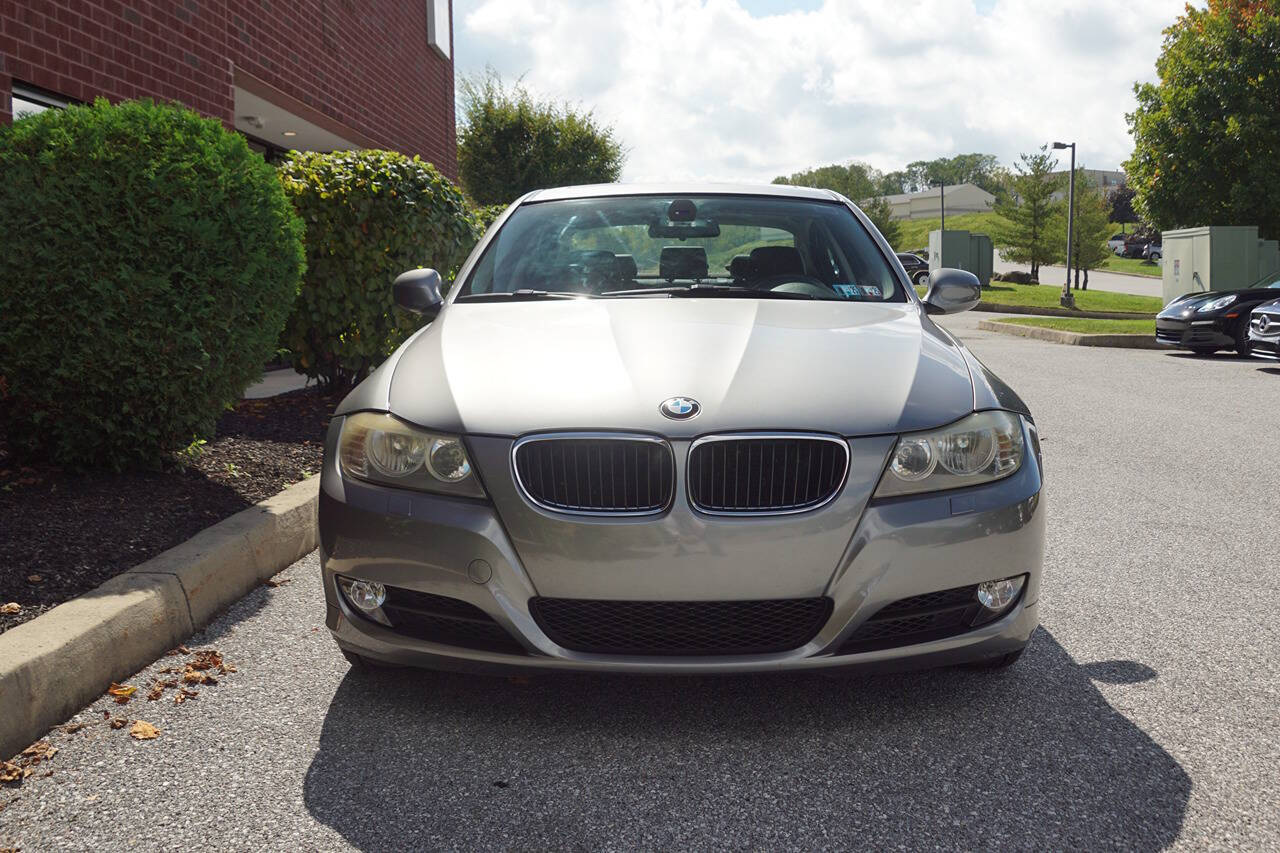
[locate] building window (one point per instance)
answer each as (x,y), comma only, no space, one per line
(29,101)
(438,32)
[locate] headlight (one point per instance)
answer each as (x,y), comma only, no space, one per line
(983,447)
(1216,305)
(382,449)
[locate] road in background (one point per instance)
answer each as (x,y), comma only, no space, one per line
(1146,713)
(1098,279)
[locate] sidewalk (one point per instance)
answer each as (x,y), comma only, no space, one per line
(1112,282)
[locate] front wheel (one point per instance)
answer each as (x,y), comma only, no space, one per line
(1244,346)
(920,278)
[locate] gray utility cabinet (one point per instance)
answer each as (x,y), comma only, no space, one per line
(963,251)
(1215,257)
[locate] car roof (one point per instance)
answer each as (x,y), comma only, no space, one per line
(678,188)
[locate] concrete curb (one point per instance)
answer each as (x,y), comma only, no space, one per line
(1079,339)
(57,663)
(997,308)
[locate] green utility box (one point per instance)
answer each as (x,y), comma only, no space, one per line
(1215,257)
(963,251)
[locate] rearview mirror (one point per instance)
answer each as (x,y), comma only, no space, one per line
(951,291)
(684,230)
(418,291)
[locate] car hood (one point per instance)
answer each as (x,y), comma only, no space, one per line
(1186,305)
(607,364)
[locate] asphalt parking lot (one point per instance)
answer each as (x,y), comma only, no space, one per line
(1145,715)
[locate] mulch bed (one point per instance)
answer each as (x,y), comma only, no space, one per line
(62,534)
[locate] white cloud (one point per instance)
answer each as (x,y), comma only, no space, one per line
(707,90)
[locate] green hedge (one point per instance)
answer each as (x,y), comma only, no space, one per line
(150,261)
(370,216)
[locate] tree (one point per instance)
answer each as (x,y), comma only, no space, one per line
(854,181)
(1089,232)
(509,144)
(1120,202)
(1024,232)
(1207,135)
(879,211)
(982,170)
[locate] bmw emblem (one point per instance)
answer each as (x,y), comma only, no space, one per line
(680,408)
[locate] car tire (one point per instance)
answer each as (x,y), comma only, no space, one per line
(1244,346)
(1002,662)
(920,278)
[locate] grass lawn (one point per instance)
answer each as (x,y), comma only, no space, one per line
(1046,296)
(1136,266)
(1086,325)
(915,232)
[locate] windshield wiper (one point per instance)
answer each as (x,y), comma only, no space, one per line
(731,291)
(524,295)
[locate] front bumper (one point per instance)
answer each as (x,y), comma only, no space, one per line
(1265,345)
(1192,334)
(898,549)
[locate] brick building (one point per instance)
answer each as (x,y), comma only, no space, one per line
(306,74)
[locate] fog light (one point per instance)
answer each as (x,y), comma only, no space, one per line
(366,596)
(997,595)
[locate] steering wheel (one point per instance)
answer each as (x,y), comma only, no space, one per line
(772,282)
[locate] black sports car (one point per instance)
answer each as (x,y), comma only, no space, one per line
(917,267)
(1219,319)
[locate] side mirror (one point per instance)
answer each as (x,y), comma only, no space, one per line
(951,291)
(418,291)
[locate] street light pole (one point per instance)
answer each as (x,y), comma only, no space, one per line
(942,204)
(1067,300)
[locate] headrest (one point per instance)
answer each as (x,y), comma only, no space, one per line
(682,262)
(627,267)
(598,266)
(776,260)
(739,266)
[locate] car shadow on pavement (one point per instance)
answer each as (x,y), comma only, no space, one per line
(1029,757)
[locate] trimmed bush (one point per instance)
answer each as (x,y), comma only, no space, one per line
(151,259)
(370,216)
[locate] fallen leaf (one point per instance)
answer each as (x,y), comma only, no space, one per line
(106,715)
(156,691)
(10,772)
(72,728)
(39,751)
(121,692)
(11,607)
(206,659)
(274,583)
(143,730)
(34,578)
(193,676)
(119,722)
(183,695)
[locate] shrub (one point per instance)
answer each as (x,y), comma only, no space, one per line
(370,216)
(151,261)
(509,143)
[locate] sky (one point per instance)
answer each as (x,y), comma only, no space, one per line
(744,90)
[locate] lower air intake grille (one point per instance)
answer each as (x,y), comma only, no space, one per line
(597,474)
(449,621)
(765,474)
(680,627)
(917,619)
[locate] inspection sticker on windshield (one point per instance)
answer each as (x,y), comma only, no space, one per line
(857,291)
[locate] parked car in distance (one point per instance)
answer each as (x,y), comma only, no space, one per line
(1153,252)
(1135,245)
(1116,243)
(633,439)
(1210,321)
(917,267)
(1264,330)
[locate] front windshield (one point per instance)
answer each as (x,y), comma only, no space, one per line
(635,246)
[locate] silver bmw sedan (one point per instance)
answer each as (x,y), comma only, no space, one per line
(682,429)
